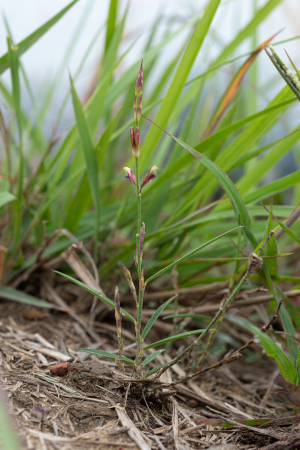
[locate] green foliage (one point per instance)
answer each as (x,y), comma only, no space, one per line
(173,338)
(77,183)
(106,354)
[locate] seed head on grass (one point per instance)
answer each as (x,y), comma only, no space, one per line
(292,76)
(139,81)
(137,111)
(135,141)
(130,175)
(149,177)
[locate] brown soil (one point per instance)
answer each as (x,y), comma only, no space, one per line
(93,407)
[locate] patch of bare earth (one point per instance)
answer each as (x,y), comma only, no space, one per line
(92,406)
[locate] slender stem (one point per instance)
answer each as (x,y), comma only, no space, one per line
(141,289)
(211,337)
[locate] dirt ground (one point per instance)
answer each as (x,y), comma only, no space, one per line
(92,406)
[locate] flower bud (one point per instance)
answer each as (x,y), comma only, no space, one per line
(137,111)
(139,81)
(128,277)
(130,175)
(149,177)
(118,311)
(137,138)
(134,147)
(142,279)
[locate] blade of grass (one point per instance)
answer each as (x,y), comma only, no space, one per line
(96,293)
(106,354)
(222,178)
(26,43)
(155,316)
(90,159)
(173,338)
(6,197)
(151,357)
(179,80)
(111,22)
(187,255)
(232,89)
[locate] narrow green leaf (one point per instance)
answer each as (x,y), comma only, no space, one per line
(151,357)
(24,45)
(6,197)
(222,178)
(288,231)
(189,254)
(111,22)
(174,338)
(273,188)
(14,68)
(274,351)
(8,436)
(271,246)
(179,80)
(90,157)
(248,30)
(20,296)
(155,316)
(155,369)
(106,354)
(192,316)
(98,294)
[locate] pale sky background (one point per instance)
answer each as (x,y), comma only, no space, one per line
(24,16)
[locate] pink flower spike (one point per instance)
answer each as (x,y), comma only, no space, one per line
(149,177)
(130,175)
(135,149)
(139,81)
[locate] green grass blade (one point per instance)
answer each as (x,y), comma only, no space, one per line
(271,246)
(288,231)
(179,80)
(19,296)
(151,357)
(222,178)
(192,316)
(35,36)
(273,188)
(248,30)
(174,338)
(90,157)
(96,293)
(8,436)
(156,369)
(274,351)
(6,197)
(189,254)
(155,316)
(106,354)
(111,22)
(82,199)
(14,67)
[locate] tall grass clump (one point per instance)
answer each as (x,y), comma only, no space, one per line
(203,159)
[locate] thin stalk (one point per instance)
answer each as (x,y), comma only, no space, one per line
(211,338)
(254,263)
(139,199)
(138,248)
(233,357)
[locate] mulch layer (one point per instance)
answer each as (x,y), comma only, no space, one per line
(91,406)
